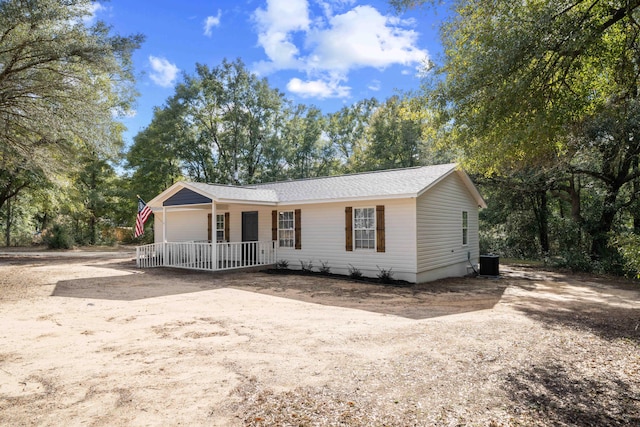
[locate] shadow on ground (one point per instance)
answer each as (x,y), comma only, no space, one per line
(604,306)
(441,298)
(552,395)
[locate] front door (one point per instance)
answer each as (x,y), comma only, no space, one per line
(249,234)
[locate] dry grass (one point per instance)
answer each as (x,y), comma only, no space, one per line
(97,342)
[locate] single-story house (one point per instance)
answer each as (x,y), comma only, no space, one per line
(421,223)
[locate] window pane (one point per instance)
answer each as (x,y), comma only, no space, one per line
(364,228)
(465,227)
(286,229)
(219,227)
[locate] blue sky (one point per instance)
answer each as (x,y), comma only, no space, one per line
(327,53)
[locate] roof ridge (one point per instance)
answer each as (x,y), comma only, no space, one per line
(213,184)
(253,186)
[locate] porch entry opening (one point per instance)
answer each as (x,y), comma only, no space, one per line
(250,234)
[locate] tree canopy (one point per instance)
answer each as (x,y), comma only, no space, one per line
(542,97)
(62,86)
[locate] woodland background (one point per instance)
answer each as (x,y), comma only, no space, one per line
(538,100)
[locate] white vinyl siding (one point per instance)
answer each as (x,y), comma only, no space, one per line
(439,221)
(235,221)
(182,225)
(323,239)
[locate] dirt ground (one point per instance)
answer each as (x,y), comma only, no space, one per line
(87,339)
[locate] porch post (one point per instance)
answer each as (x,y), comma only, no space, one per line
(164,235)
(214,237)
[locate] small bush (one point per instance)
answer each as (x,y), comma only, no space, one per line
(306,267)
(354,272)
(628,246)
(576,262)
(385,276)
(324,267)
(58,238)
(283,264)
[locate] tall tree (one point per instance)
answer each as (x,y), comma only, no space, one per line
(346,130)
(394,139)
(301,135)
(60,84)
(546,83)
(156,155)
(232,114)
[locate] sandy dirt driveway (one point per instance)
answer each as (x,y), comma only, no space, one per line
(91,340)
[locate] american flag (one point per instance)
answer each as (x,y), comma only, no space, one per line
(143,214)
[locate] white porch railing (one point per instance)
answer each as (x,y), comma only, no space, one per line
(199,256)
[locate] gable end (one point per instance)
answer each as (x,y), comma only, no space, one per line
(186,197)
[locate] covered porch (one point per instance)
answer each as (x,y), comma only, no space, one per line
(205,255)
(200,229)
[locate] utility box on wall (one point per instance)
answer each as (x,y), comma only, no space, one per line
(489,265)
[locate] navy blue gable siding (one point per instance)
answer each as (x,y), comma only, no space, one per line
(186,197)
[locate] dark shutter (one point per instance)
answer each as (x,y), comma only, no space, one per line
(380,240)
(209,227)
(297,226)
(348,227)
(226,226)
(274,225)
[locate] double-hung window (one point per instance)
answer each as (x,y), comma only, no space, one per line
(220,237)
(364,228)
(286,230)
(465,227)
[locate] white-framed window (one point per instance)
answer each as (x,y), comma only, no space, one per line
(220,237)
(364,228)
(286,230)
(465,227)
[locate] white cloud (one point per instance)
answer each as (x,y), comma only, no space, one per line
(362,37)
(276,25)
(374,85)
(318,88)
(164,72)
(211,22)
(91,12)
(326,48)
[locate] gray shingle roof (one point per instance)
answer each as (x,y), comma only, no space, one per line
(381,184)
(229,192)
(409,182)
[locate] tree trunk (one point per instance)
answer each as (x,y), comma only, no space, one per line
(7,230)
(543,226)
(600,233)
(635,207)
(541,212)
(92,229)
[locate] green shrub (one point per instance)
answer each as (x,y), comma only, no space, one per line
(324,267)
(354,272)
(58,238)
(306,267)
(628,245)
(385,276)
